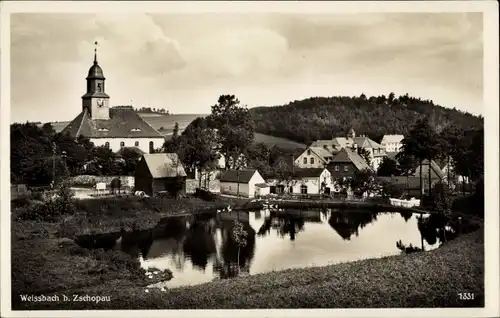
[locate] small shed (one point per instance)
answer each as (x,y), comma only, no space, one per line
(160,172)
(241,182)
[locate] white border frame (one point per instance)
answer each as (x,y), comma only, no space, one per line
(490,113)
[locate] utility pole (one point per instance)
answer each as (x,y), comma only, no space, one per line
(53,164)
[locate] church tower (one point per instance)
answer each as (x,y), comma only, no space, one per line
(95,100)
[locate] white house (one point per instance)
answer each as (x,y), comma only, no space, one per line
(241,182)
(392,143)
(322,152)
(304,181)
(112,127)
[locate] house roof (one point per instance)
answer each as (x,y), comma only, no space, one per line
(123,122)
(434,168)
(331,145)
(347,155)
(308,172)
(392,138)
(365,142)
(243,175)
(164,165)
(321,152)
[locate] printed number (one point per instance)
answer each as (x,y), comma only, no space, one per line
(466,296)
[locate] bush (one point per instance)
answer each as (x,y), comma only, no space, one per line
(205,195)
(393,190)
(53,208)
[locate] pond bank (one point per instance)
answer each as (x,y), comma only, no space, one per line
(429,279)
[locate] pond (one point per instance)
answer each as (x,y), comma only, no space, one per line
(201,248)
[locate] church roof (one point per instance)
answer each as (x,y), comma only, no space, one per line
(123,122)
(95,72)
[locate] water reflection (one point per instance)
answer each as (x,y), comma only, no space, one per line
(288,224)
(201,248)
(347,224)
(235,260)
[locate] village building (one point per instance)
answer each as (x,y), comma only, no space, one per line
(346,163)
(160,172)
(113,127)
(304,181)
(321,152)
(437,175)
(392,143)
(245,182)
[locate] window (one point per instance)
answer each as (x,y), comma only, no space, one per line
(135,129)
(346,168)
(308,152)
(325,146)
(151,146)
(137,144)
(99,89)
(303,189)
(290,189)
(311,160)
(336,168)
(106,144)
(305,161)
(122,144)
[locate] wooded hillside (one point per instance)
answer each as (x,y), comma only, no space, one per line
(326,117)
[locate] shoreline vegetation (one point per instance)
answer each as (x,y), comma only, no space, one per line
(47,247)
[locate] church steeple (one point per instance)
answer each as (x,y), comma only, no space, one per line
(95,54)
(96,101)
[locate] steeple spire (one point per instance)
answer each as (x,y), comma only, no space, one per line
(95,53)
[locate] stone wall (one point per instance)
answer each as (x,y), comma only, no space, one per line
(89,180)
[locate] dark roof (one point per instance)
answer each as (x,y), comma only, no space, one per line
(95,72)
(308,172)
(123,122)
(164,165)
(243,175)
(346,155)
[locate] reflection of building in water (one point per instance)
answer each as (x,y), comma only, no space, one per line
(286,223)
(347,224)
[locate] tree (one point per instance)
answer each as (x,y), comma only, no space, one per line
(234,127)
(198,144)
(175,133)
(388,168)
(284,172)
(449,140)
(130,157)
(239,236)
(363,181)
(365,154)
(421,143)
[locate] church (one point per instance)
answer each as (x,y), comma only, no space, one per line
(113,127)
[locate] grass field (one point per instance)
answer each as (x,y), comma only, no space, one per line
(165,124)
(281,142)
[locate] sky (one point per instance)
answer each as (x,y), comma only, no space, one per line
(183,62)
